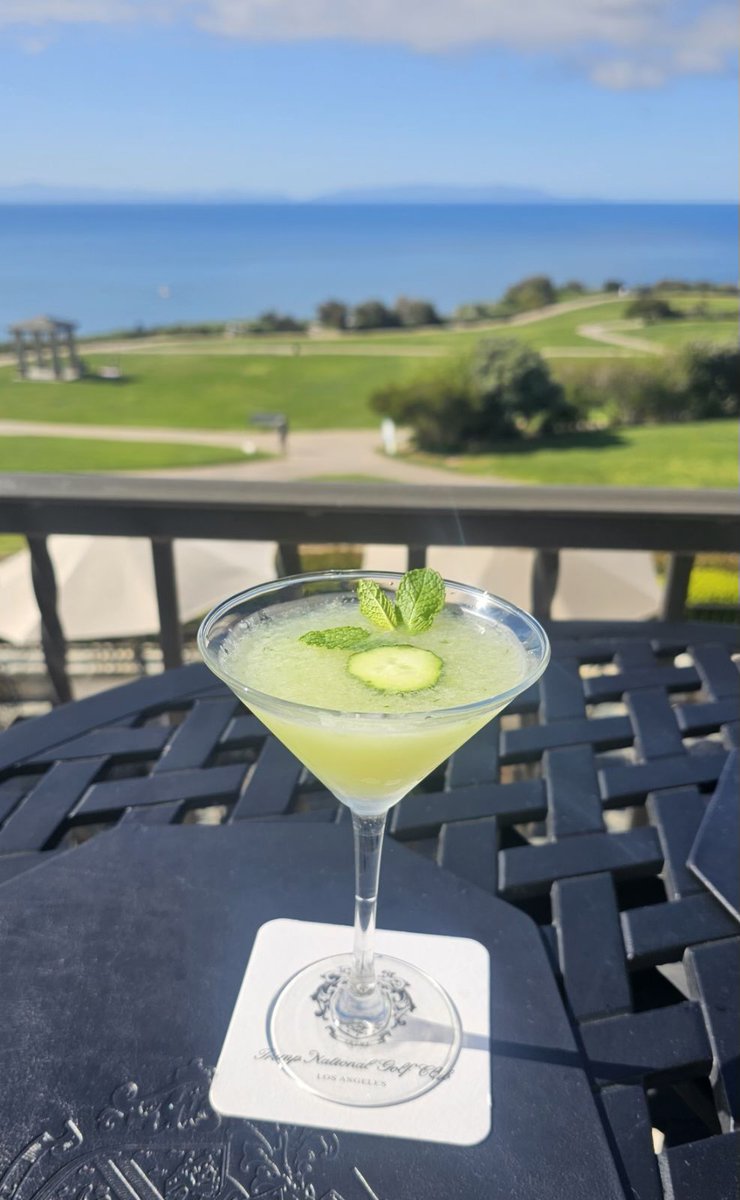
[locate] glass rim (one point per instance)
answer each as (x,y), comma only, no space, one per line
(270,702)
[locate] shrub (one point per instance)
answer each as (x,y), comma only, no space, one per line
(416,312)
(372,314)
(502,390)
(711,381)
(623,392)
(650,308)
(712,585)
(275,322)
(515,391)
(612,285)
(481,310)
(333,314)
(438,405)
(536,291)
(701,383)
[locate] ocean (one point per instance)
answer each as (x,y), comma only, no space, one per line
(116,266)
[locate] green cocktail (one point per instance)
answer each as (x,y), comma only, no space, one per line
(371,681)
(370,765)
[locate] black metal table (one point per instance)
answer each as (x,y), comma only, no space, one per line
(579,807)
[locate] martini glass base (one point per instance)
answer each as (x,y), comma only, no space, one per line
(411,1051)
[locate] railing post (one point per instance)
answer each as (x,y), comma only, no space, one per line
(676,586)
(169,618)
(545,571)
(416,556)
(288,559)
(52,634)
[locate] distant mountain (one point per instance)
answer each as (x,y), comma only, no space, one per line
(431,193)
(419,193)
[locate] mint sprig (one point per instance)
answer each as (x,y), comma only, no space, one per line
(375,605)
(420,596)
(343,637)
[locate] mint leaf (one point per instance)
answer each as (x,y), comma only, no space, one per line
(420,596)
(343,637)
(375,605)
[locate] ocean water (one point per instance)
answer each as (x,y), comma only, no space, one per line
(116,266)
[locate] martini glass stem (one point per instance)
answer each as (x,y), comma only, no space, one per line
(368,837)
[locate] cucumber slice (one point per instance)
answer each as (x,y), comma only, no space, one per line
(396,668)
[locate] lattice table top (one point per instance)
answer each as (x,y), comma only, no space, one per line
(580,806)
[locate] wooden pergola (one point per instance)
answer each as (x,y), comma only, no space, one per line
(46,350)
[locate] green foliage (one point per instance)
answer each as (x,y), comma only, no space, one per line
(416,312)
(713,585)
(536,291)
(437,403)
(573,287)
(481,310)
(502,390)
(612,285)
(685,285)
(420,596)
(333,314)
(700,384)
(11,543)
(650,308)
(711,381)
(275,322)
(373,314)
(515,392)
(619,392)
(375,605)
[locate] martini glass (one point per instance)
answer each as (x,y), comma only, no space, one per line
(342,1023)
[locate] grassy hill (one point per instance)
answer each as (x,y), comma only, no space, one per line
(325,382)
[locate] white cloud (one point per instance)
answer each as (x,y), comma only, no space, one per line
(618,43)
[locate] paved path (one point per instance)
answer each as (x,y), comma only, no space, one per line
(310,454)
(612,337)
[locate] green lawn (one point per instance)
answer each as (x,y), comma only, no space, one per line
(699,454)
(49,454)
(212,383)
(674,334)
(212,392)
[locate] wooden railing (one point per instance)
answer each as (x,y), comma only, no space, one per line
(546,519)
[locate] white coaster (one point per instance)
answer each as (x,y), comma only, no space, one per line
(249,1082)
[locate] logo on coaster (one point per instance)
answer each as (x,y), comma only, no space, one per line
(395,988)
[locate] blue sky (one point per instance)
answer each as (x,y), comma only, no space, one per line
(307,96)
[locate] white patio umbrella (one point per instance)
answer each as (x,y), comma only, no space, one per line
(106,584)
(593,584)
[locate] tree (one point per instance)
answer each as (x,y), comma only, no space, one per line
(712,381)
(416,312)
(372,314)
(333,314)
(537,291)
(275,322)
(650,308)
(574,286)
(515,391)
(612,285)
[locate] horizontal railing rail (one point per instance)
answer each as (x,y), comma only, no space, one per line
(546,519)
